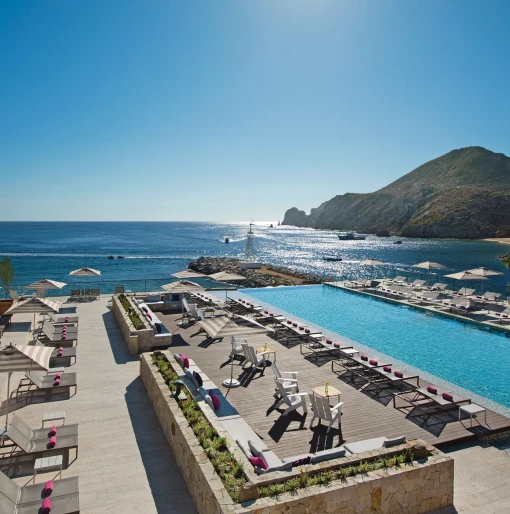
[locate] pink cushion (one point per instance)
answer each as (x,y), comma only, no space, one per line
(48,487)
(294,324)
(56,382)
(448,397)
(46,506)
(58,376)
(363,357)
(336,345)
(64,337)
(301,328)
(329,341)
(266,312)
(271,313)
(398,374)
(387,369)
(185,361)
(61,349)
(215,399)
(289,322)
(373,362)
(52,442)
(53,430)
(307,331)
(431,389)
(259,462)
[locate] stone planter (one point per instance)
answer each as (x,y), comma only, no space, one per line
(414,488)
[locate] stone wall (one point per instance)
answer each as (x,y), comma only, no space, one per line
(415,488)
(205,486)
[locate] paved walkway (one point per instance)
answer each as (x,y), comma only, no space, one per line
(124,464)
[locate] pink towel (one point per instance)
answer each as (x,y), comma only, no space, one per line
(52,442)
(46,506)
(56,382)
(53,430)
(48,487)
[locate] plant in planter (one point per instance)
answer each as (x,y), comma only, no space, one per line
(6,278)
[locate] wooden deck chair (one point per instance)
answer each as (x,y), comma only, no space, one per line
(323,411)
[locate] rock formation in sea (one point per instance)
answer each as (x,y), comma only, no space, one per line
(463,194)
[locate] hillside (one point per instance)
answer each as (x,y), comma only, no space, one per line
(463,194)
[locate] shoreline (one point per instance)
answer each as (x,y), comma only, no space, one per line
(501,240)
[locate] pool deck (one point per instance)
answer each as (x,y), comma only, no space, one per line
(478,319)
(365,415)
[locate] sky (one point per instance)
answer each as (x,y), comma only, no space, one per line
(224,110)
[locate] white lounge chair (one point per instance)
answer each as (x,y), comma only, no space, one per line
(322,409)
(289,381)
(292,400)
(257,360)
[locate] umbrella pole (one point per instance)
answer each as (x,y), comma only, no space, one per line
(8,400)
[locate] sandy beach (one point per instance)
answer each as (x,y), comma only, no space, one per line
(502,240)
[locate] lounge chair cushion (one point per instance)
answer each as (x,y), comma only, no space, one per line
(271,459)
(178,358)
(393,441)
(243,445)
(191,377)
(198,378)
(209,402)
(255,447)
(332,453)
(366,445)
(298,460)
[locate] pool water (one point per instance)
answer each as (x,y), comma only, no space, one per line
(473,359)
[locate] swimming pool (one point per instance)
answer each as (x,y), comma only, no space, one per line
(459,353)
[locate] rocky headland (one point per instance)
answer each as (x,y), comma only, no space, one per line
(463,194)
(268,275)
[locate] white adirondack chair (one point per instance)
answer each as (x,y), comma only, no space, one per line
(287,378)
(258,360)
(322,409)
(237,347)
(292,400)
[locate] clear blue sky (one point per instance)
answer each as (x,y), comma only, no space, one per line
(238,109)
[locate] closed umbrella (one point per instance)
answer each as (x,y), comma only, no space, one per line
(85,272)
(21,359)
(235,326)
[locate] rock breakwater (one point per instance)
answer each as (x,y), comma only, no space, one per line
(267,275)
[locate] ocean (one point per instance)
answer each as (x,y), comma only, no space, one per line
(152,251)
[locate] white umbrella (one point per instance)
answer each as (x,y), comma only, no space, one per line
(187,273)
(226,276)
(22,358)
(371,262)
(484,272)
(182,286)
(34,305)
(428,265)
(85,272)
(465,275)
(46,283)
(235,326)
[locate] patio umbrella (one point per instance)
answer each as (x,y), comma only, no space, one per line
(85,272)
(428,265)
(35,306)
(182,286)
(484,272)
(235,326)
(465,276)
(46,283)
(226,276)
(22,358)
(187,273)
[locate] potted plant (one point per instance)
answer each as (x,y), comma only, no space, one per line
(6,278)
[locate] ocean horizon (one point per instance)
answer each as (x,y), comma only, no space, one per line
(155,250)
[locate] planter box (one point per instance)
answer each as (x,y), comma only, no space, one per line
(414,488)
(5,305)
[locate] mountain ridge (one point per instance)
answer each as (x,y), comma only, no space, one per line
(462,194)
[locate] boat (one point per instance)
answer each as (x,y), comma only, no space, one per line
(397,242)
(227,240)
(110,257)
(350,236)
(332,259)
(120,257)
